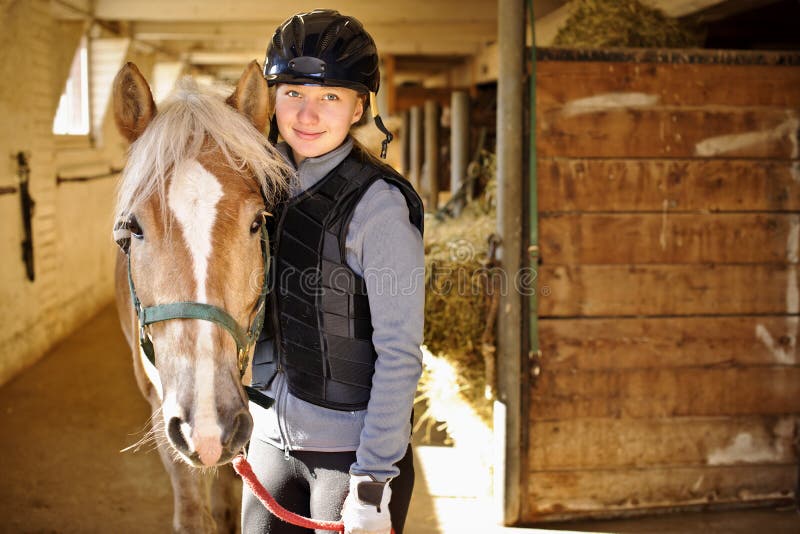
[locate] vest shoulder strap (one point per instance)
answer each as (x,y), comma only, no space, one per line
(372,170)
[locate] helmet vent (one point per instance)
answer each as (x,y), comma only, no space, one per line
(325,39)
(299,35)
(355,45)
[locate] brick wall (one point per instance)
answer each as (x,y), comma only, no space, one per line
(73,250)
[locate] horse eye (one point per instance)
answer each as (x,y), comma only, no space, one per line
(136,230)
(260,219)
(256,226)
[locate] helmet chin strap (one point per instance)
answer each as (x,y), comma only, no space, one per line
(373,105)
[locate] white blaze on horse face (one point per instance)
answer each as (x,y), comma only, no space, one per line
(193,196)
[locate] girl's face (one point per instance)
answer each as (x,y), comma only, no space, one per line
(315,119)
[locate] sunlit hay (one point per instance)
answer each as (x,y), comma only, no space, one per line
(459,282)
(443,392)
(624,23)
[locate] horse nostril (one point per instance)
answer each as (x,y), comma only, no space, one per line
(239,431)
(176,435)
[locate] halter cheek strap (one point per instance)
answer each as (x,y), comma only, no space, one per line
(244,339)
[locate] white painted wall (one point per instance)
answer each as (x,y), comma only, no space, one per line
(73,249)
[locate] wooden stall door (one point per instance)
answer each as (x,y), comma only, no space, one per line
(669,190)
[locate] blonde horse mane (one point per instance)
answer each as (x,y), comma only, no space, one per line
(178,132)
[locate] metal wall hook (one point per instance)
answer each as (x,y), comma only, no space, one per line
(27,205)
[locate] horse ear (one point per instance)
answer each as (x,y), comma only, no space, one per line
(251,96)
(134,107)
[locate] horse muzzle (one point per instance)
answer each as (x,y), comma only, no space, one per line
(206,444)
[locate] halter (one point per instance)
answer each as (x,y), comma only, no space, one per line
(244,339)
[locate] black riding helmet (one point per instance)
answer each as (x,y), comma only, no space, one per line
(323,47)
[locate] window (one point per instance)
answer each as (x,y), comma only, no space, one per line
(72,116)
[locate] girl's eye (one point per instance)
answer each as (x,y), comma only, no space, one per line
(292,93)
(330,96)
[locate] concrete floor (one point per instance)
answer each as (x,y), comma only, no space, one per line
(64,421)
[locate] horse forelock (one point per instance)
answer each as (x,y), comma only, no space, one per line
(194,121)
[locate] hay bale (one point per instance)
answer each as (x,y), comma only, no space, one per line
(456,252)
(458,282)
(624,23)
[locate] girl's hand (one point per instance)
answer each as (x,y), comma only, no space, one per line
(366,508)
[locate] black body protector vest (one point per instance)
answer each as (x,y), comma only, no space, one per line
(320,317)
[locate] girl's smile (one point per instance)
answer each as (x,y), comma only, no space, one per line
(307,135)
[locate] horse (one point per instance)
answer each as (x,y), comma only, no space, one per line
(191,274)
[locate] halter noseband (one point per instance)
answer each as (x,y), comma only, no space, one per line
(244,339)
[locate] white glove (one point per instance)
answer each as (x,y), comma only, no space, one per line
(366,508)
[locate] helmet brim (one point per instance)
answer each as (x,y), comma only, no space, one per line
(275,79)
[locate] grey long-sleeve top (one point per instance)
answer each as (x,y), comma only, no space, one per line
(384,248)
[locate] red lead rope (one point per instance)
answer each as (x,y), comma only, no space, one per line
(242,467)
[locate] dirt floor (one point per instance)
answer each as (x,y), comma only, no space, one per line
(64,421)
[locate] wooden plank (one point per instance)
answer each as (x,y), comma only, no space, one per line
(682,185)
(630,343)
(640,132)
(668,238)
(637,443)
(654,290)
(681,392)
(561,82)
(557,494)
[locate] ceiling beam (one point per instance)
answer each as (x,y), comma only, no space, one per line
(462,38)
(263,29)
(244,56)
(71,9)
(240,57)
(203,31)
(432,47)
(368,12)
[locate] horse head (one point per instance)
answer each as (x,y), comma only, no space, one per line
(193,198)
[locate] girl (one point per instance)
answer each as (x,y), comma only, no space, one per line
(340,353)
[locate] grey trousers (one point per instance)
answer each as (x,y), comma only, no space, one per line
(312,484)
